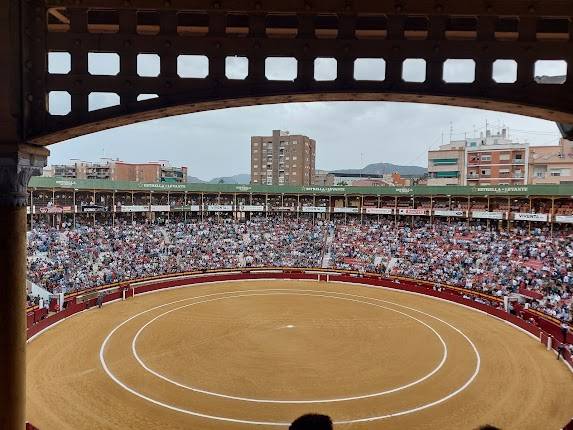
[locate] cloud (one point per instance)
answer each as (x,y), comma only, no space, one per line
(348,134)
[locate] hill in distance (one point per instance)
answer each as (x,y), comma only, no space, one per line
(241,178)
(194,180)
(384,168)
(370,169)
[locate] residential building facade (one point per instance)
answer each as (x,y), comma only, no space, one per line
(283,159)
(493,159)
(321,177)
(446,166)
(116,170)
(551,164)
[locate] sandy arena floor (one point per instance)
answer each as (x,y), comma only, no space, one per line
(256,354)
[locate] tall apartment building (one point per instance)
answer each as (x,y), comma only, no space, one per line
(446,166)
(551,164)
(493,159)
(116,170)
(283,159)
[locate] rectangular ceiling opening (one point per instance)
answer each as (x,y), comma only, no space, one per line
(281,25)
(103,21)
(148,22)
(192,24)
(326,26)
(371,27)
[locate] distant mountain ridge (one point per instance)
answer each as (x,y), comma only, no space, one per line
(241,178)
(194,180)
(384,168)
(370,169)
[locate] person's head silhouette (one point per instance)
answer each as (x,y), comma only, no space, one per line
(312,422)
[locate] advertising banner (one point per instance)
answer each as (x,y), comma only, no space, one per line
(487,215)
(192,208)
(160,208)
(220,208)
(529,217)
(313,209)
(346,210)
(252,208)
(379,211)
(450,213)
(283,208)
(134,208)
(409,211)
(93,208)
(55,209)
(564,218)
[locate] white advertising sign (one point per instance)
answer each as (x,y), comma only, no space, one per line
(284,208)
(379,211)
(408,211)
(487,215)
(564,218)
(252,208)
(314,209)
(160,208)
(135,208)
(346,210)
(529,217)
(450,213)
(220,208)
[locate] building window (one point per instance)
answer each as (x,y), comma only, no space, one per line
(485,171)
(504,156)
(486,158)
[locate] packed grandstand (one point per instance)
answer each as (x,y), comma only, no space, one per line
(472,256)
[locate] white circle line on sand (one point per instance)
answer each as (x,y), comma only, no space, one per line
(290,293)
(284,424)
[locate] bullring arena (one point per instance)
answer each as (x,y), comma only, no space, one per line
(230,351)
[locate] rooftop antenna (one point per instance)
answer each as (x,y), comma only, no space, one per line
(451,131)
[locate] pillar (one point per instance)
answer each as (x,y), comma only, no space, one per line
(17,164)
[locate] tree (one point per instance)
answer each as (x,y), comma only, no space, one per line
(221,181)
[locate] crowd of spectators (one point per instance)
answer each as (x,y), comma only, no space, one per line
(471,256)
(69,259)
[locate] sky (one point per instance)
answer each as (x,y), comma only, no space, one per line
(348,134)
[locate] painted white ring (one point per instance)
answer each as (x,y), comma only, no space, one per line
(285,424)
(249,399)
